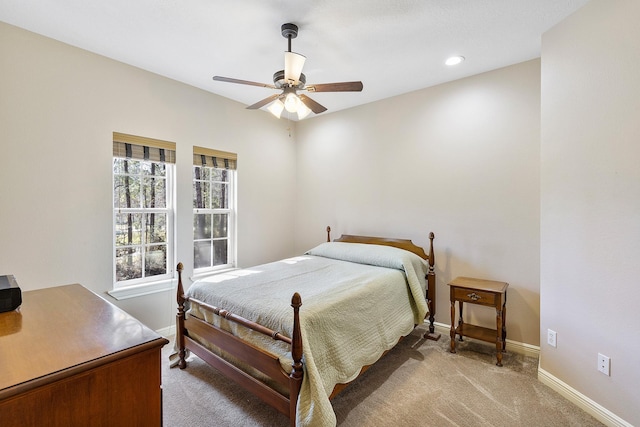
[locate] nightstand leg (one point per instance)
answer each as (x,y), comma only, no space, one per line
(452,348)
(504,325)
(460,321)
(499,337)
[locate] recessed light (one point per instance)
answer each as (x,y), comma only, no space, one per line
(454,60)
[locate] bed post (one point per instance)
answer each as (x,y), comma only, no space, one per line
(328,233)
(431,292)
(180,317)
(295,378)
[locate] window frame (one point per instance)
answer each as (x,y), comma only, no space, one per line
(146,284)
(230,211)
(224,160)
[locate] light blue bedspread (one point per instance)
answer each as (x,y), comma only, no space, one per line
(357,300)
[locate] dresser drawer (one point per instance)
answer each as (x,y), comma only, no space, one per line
(475,296)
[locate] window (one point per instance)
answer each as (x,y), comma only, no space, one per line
(143,210)
(213,209)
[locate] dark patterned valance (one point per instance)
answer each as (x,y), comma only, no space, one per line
(141,148)
(214,158)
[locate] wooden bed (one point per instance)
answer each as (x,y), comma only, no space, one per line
(192,331)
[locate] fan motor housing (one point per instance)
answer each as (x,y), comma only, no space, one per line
(280,82)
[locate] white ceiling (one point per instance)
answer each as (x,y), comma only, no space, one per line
(393,47)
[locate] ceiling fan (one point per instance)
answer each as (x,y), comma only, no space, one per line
(290,81)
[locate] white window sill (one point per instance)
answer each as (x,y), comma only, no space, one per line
(143,289)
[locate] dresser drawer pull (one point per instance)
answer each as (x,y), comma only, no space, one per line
(473,296)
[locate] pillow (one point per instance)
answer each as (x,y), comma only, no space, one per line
(370,254)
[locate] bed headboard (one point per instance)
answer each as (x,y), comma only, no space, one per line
(405,244)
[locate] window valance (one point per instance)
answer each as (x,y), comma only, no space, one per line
(214,158)
(142,148)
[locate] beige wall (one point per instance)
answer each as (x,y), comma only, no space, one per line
(58,108)
(590,202)
(459,159)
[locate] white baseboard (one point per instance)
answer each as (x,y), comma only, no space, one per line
(583,402)
(167,331)
(523,348)
(513,346)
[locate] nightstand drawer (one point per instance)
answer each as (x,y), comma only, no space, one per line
(476,296)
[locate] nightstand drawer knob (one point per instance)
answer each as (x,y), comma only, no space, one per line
(474,296)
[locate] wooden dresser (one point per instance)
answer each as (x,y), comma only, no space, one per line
(70,358)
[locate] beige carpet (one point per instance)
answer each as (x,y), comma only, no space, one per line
(418,383)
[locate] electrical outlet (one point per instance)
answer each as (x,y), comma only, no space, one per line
(551,338)
(604,364)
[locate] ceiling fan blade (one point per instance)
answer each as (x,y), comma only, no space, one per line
(311,104)
(242,82)
(263,102)
(293,63)
(335,87)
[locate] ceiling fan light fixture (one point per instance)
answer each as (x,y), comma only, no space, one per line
(291,102)
(293,64)
(276,108)
(303,111)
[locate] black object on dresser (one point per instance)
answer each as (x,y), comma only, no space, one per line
(10,294)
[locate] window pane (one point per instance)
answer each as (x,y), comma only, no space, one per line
(220,196)
(128,229)
(128,264)
(118,166)
(201,173)
(156,230)
(153,168)
(127,191)
(130,166)
(220,225)
(201,195)
(197,187)
(201,226)
(119,194)
(132,192)
(220,252)
(202,254)
(155,260)
(161,192)
(132,189)
(154,190)
(219,175)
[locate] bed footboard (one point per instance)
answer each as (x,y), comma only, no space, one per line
(257,358)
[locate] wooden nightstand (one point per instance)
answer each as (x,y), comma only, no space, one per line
(482,292)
